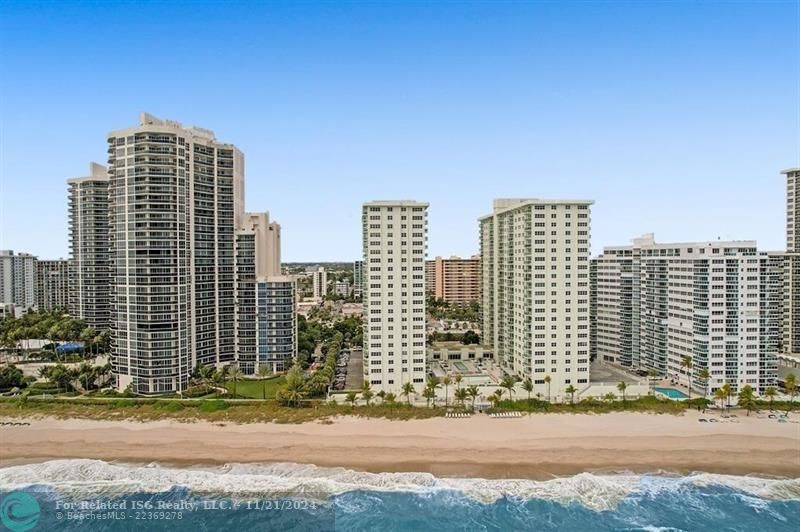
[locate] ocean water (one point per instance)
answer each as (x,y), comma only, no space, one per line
(97,495)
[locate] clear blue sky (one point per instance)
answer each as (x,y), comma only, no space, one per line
(675,117)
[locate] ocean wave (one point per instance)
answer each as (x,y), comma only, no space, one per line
(82,477)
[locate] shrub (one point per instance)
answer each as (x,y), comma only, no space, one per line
(213,405)
(123,403)
(168,406)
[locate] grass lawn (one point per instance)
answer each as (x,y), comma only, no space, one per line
(254,389)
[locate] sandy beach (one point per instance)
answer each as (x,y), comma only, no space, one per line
(538,446)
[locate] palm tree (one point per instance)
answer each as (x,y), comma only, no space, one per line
(351,398)
(446,382)
(433,384)
(458,377)
(527,385)
(547,382)
(726,389)
(390,400)
(263,373)
(234,373)
(508,383)
(366,392)
(295,387)
(473,393)
(704,376)
(496,397)
(770,393)
(571,391)
(622,386)
(719,395)
(429,393)
(610,397)
(686,362)
(408,389)
(747,398)
(791,387)
(461,396)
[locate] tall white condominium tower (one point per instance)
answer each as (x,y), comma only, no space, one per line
(258,259)
(535,289)
(319,280)
(52,284)
(89,247)
(791,306)
(395,237)
(176,196)
(17,282)
(716,302)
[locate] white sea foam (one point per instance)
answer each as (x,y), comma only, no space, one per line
(598,492)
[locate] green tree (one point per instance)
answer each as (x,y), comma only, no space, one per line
(458,378)
(547,382)
(770,393)
(622,386)
(704,376)
(408,389)
(496,397)
(263,373)
(527,385)
(366,392)
(390,400)
(351,398)
(10,377)
(470,337)
(791,387)
(473,393)
(747,398)
(686,363)
(461,396)
(571,391)
(294,389)
(429,393)
(610,397)
(508,383)
(235,374)
(726,389)
(719,395)
(446,382)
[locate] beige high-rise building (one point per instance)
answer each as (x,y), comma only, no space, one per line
(89,240)
(257,259)
(52,284)
(791,306)
(454,280)
(395,235)
(176,196)
(716,302)
(535,290)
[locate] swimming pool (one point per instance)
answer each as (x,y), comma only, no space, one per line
(672,393)
(460,366)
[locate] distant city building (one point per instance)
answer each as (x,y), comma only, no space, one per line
(276,331)
(454,280)
(358,279)
(791,306)
(52,284)
(89,242)
(535,290)
(716,302)
(342,288)
(17,282)
(320,282)
(395,243)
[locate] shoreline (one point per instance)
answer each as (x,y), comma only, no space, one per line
(537,447)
